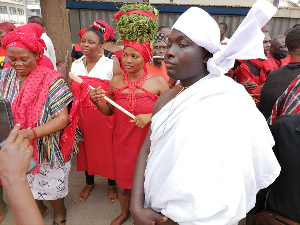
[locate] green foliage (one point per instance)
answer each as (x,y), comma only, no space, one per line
(136,27)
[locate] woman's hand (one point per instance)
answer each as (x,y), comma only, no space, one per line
(27,133)
(15,156)
(97,94)
(142,120)
(145,216)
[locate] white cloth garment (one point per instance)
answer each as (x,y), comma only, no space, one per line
(102,70)
(50,51)
(246,42)
(215,153)
(50,184)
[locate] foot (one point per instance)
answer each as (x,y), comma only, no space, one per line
(112,194)
(84,194)
(120,219)
(60,219)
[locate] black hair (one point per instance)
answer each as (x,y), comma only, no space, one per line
(296,25)
(292,40)
(36,19)
(111,40)
(97,32)
(162,27)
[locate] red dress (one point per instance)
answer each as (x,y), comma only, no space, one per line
(128,138)
(95,152)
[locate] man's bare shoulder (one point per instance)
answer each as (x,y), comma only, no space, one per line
(164,98)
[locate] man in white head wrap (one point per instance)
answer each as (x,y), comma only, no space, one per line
(209,149)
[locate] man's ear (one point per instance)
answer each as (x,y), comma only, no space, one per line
(207,55)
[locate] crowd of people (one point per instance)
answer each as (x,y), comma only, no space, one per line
(187,125)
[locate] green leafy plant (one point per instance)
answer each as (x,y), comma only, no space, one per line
(136,27)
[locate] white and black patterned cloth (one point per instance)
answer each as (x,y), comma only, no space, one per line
(50,184)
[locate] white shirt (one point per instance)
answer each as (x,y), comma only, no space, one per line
(49,52)
(102,70)
(207,164)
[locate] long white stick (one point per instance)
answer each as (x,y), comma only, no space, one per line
(79,80)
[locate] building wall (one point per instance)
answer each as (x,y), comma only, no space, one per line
(240,3)
(12,12)
(83,14)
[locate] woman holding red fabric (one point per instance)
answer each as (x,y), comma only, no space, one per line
(136,91)
(95,155)
(40,99)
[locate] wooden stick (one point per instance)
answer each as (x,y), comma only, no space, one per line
(79,80)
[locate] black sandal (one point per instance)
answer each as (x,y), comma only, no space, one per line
(60,222)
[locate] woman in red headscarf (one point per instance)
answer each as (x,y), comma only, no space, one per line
(38,31)
(40,99)
(96,69)
(136,91)
(4,28)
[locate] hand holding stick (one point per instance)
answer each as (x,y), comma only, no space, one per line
(79,80)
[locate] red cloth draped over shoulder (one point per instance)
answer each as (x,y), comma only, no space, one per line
(95,152)
(27,106)
(128,138)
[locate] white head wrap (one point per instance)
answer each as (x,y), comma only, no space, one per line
(246,42)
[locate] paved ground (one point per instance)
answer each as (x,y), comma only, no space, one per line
(96,210)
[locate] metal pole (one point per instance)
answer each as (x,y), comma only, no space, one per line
(26,10)
(276,2)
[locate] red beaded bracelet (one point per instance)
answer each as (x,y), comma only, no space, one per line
(34,133)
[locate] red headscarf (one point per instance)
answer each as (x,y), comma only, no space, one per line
(26,37)
(103,27)
(143,48)
(81,32)
(7,27)
(112,33)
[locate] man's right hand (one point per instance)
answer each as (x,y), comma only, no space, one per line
(145,216)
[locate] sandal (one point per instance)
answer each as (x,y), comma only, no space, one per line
(84,194)
(62,221)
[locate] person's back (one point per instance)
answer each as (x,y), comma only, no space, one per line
(284,193)
(276,83)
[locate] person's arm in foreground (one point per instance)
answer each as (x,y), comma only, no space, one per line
(59,122)
(140,214)
(15,157)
